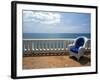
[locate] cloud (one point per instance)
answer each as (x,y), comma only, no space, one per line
(84,24)
(41,17)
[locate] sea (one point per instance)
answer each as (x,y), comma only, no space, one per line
(54,35)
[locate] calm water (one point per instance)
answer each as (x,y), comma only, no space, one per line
(55,35)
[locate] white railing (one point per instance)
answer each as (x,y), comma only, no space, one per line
(48,45)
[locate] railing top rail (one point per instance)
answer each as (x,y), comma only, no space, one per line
(51,39)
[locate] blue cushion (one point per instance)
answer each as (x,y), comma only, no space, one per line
(74,49)
(79,42)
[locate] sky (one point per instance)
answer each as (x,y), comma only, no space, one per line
(55,22)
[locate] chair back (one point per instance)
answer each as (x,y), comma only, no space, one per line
(79,42)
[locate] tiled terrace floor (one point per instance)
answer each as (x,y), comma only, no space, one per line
(60,61)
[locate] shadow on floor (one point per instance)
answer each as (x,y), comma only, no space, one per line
(83,60)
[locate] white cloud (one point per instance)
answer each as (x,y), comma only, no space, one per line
(41,17)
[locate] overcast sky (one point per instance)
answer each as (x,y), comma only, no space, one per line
(55,22)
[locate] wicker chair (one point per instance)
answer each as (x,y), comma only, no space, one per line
(78,47)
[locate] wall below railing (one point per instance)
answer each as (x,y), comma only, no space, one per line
(48,45)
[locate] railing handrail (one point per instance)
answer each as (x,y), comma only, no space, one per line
(53,39)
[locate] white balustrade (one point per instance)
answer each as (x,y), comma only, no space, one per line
(45,45)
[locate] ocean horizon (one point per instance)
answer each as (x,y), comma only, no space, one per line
(54,35)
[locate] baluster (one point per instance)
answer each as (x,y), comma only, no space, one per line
(46,46)
(58,44)
(28,47)
(54,44)
(49,45)
(40,45)
(66,42)
(25,47)
(33,46)
(36,45)
(43,45)
(62,42)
